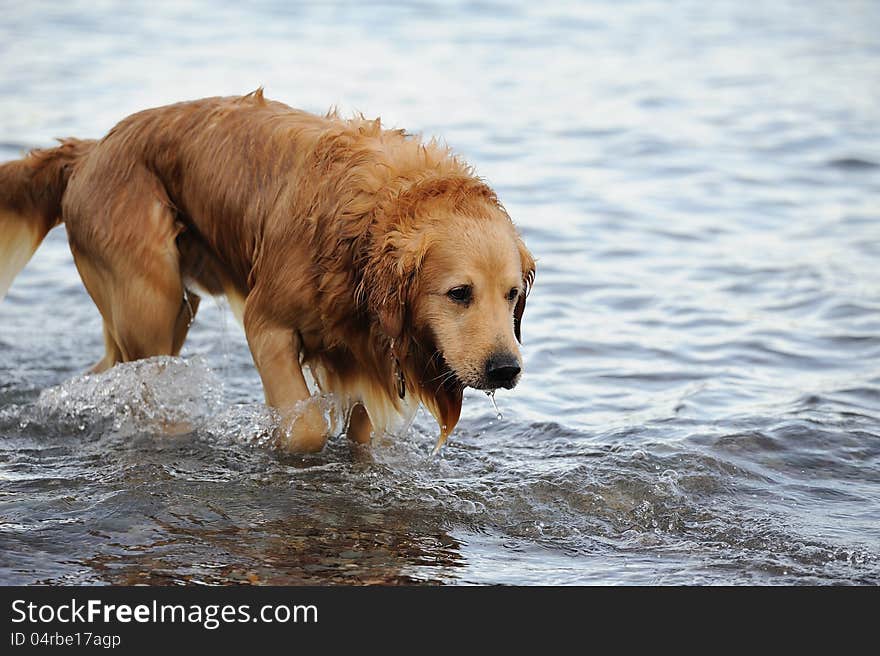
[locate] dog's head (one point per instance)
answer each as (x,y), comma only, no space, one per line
(449,288)
(470,297)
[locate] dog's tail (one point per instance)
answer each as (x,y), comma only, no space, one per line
(31,189)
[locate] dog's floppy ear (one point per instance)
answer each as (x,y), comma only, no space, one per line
(527,262)
(389,279)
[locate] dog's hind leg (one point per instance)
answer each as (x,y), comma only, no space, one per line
(143,307)
(112,353)
(123,241)
(187,314)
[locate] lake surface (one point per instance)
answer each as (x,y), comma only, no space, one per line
(700,183)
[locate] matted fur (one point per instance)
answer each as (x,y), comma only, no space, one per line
(315,227)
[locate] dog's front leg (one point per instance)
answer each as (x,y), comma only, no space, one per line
(275,350)
(360,429)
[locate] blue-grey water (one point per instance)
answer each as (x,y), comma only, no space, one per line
(700,183)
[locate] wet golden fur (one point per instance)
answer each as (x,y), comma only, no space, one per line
(332,238)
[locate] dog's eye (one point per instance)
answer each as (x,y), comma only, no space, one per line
(462,294)
(513,293)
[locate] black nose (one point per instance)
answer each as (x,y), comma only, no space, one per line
(502,370)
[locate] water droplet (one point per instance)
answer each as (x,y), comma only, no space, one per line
(491,395)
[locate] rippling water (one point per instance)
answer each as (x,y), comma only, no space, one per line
(701,401)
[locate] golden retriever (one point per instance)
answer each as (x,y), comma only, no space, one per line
(381,262)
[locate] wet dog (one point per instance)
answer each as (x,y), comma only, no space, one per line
(379,261)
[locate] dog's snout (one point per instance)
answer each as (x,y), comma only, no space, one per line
(502,370)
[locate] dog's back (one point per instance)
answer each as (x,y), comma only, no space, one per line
(218,164)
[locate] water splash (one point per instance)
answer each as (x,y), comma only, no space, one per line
(253,424)
(165,394)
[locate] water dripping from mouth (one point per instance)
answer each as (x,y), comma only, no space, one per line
(491,395)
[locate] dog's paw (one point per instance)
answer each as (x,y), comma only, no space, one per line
(303,429)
